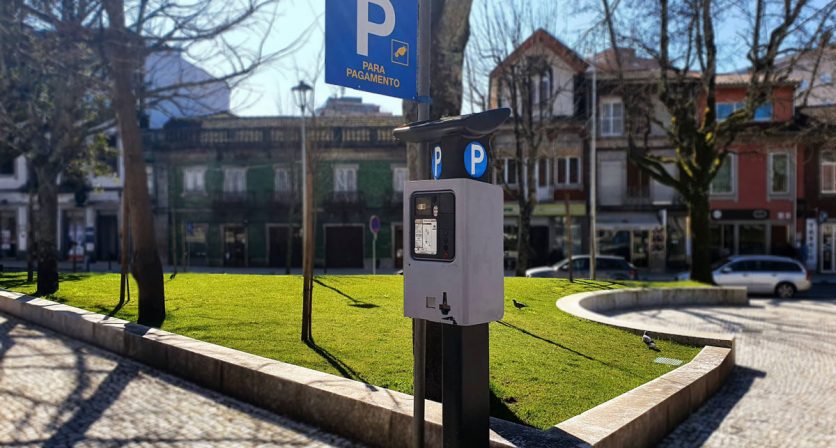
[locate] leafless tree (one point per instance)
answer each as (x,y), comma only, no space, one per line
(682,38)
(51,105)
(202,29)
(527,75)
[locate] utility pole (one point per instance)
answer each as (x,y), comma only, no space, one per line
(593,174)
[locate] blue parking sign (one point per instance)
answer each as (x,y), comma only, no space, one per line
(372,45)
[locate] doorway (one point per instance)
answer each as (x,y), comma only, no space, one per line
(278,247)
(828,249)
(235,246)
(344,247)
(107,238)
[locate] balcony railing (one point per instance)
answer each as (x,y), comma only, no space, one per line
(344,200)
(272,137)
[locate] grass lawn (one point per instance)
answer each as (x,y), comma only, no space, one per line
(546,366)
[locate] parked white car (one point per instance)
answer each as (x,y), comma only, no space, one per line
(761,274)
(606,267)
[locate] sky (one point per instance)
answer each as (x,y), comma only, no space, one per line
(268,91)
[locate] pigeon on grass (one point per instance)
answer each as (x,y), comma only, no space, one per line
(648,341)
(518,305)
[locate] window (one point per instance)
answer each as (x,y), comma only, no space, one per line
(764,112)
(568,171)
(612,117)
(828,172)
(7,165)
(399,175)
(235,180)
(826,78)
(723,110)
(545,88)
(723,182)
(282,182)
(149,174)
(544,173)
(780,172)
(194,179)
(345,178)
(508,172)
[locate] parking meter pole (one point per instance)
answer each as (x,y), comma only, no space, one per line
(419,327)
(374,254)
(466,413)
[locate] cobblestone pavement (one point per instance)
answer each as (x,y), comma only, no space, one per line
(57,392)
(782,392)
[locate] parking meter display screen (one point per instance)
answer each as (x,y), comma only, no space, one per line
(433,226)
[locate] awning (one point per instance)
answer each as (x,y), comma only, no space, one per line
(628,221)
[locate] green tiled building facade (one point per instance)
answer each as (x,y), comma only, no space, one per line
(226,190)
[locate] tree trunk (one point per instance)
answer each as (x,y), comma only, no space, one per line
(30,239)
(450,33)
(147,268)
(46,228)
(307,259)
(701,239)
(524,238)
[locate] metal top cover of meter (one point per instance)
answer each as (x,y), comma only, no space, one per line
(466,126)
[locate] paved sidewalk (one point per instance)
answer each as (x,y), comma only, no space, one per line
(782,392)
(57,392)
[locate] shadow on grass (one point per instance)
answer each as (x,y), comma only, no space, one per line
(344,369)
(13,281)
(354,302)
(500,409)
(559,345)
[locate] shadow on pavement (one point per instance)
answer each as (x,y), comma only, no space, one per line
(700,425)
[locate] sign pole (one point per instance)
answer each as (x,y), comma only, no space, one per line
(419,326)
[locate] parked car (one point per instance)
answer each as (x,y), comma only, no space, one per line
(761,274)
(606,267)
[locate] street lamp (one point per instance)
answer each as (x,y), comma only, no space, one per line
(302,96)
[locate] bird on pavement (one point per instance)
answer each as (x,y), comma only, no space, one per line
(171,277)
(648,341)
(518,305)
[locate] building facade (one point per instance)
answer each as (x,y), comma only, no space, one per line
(227,191)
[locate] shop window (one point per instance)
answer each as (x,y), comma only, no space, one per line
(828,172)
(724,181)
(612,117)
(780,170)
(568,171)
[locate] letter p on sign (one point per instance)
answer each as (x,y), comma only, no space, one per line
(475,160)
(365,26)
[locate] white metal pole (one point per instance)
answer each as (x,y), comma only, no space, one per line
(593,171)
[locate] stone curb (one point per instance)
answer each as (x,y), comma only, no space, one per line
(644,415)
(585,305)
(365,413)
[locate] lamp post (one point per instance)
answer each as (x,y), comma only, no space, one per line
(301,96)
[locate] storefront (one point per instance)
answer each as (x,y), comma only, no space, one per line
(639,237)
(549,236)
(750,232)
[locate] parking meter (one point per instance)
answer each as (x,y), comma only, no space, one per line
(453,271)
(453,265)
